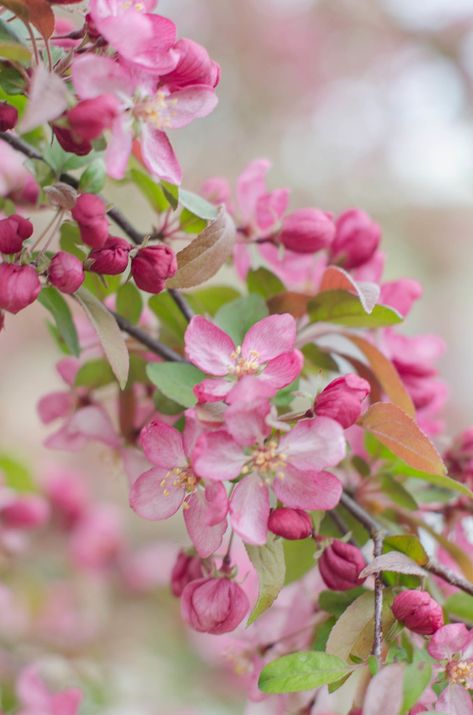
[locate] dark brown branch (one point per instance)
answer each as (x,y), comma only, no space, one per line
(152,344)
(182,304)
(447,575)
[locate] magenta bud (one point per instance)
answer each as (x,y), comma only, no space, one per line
(194,67)
(25,512)
(90,213)
(459,458)
(356,239)
(69,143)
(112,258)
(340,566)
(186,569)
(8,116)
(66,272)
(152,266)
(214,605)
(342,399)
(418,611)
(19,286)
(307,230)
(90,117)
(290,523)
(13,231)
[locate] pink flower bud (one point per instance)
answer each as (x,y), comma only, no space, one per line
(290,523)
(342,399)
(19,286)
(13,231)
(186,569)
(340,565)
(459,458)
(357,238)
(112,259)
(90,117)
(152,266)
(90,213)
(8,116)
(194,67)
(69,143)
(66,272)
(418,611)
(25,512)
(307,230)
(214,605)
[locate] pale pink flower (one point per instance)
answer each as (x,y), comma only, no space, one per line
(172,482)
(36,698)
(97,539)
(147,109)
(214,605)
(266,353)
(453,646)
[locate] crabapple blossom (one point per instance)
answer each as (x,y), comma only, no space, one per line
(19,286)
(307,230)
(13,231)
(89,212)
(340,565)
(36,698)
(418,611)
(290,523)
(71,143)
(111,258)
(452,645)
(214,605)
(91,117)
(186,569)
(342,399)
(8,116)
(66,272)
(356,239)
(152,266)
(266,353)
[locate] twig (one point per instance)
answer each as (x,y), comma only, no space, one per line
(340,523)
(447,575)
(152,344)
(182,304)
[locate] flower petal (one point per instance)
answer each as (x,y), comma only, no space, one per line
(314,444)
(205,532)
(208,347)
(162,445)
(217,456)
(282,370)
(93,75)
(448,640)
(119,148)
(308,490)
(189,104)
(153,500)
(251,185)
(158,155)
(270,337)
(454,700)
(212,390)
(249,510)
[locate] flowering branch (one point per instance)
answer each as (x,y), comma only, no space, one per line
(156,346)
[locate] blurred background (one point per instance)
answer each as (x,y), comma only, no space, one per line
(362,103)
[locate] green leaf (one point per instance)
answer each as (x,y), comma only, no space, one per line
(168,314)
(237,317)
(460,605)
(302,671)
(53,301)
(336,602)
(268,561)
(92,180)
(197,205)
(109,333)
(299,557)
(151,190)
(417,676)
(316,359)
(70,240)
(176,380)
(343,308)
(94,374)
(15,52)
(211,298)
(398,493)
(129,302)
(408,544)
(166,406)
(263,282)
(189,223)
(16,475)
(171,192)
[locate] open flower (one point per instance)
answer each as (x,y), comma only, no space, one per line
(453,646)
(266,353)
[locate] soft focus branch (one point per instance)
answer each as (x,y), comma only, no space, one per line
(151,343)
(447,575)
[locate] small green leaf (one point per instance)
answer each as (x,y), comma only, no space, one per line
(417,676)
(151,190)
(410,545)
(398,493)
(176,380)
(460,605)
(129,302)
(197,205)
(70,240)
(317,359)
(268,561)
(16,475)
(302,671)
(94,374)
(92,180)
(211,298)
(171,192)
(168,314)
(190,223)
(343,308)
(15,52)
(53,301)
(237,317)
(299,556)
(336,602)
(263,282)
(166,406)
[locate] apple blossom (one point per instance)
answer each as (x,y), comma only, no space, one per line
(418,611)
(19,286)
(151,266)
(186,569)
(356,239)
(8,116)
(340,565)
(111,258)
(89,212)
(13,231)
(290,523)
(342,399)
(66,272)
(214,605)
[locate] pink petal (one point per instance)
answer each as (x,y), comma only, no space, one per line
(251,185)
(283,370)
(212,390)
(119,148)
(88,424)
(154,49)
(270,208)
(208,347)
(191,103)
(241,259)
(308,490)
(448,640)
(192,430)
(454,700)
(314,444)
(54,405)
(31,689)
(66,703)
(205,532)
(158,155)
(152,499)
(217,503)
(134,463)
(48,96)
(68,368)
(93,75)
(217,456)
(249,510)
(162,445)
(247,422)
(270,337)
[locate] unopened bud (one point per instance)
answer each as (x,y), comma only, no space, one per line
(13,231)
(19,286)
(356,239)
(90,213)
(290,523)
(340,566)
(112,258)
(152,266)
(307,230)
(186,569)
(418,611)
(8,116)
(66,272)
(214,605)
(342,399)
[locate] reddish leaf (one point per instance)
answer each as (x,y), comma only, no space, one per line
(36,12)
(397,431)
(289,302)
(335,278)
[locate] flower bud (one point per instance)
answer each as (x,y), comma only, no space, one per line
(356,239)
(214,605)
(152,266)
(459,458)
(290,523)
(112,258)
(25,512)
(90,117)
(194,67)
(340,565)
(418,611)
(307,230)
(342,399)
(13,231)
(8,116)
(19,286)
(66,272)
(89,212)
(186,569)
(69,143)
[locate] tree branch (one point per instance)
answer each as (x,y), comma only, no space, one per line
(152,344)
(447,575)
(182,304)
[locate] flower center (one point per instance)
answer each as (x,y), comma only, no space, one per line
(267,462)
(460,672)
(179,478)
(244,365)
(157,111)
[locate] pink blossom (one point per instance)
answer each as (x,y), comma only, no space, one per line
(36,698)
(290,523)
(187,568)
(68,496)
(401,294)
(91,117)
(214,605)
(8,116)
(15,180)
(97,540)
(19,287)
(112,258)
(66,272)
(24,511)
(152,266)
(356,239)
(453,646)
(418,611)
(340,566)
(342,399)
(266,353)
(145,104)
(307,230)
(90,213)
(159,492)
(13,231)
(194,66)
